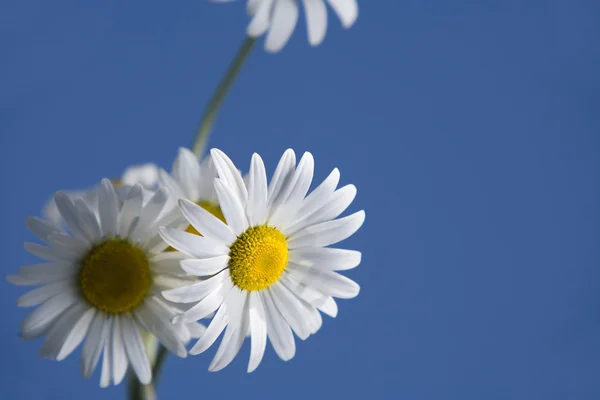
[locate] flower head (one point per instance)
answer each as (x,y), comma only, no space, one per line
(102,282)
(279,18)
(268,270)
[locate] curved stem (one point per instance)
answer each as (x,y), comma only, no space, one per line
(210,113)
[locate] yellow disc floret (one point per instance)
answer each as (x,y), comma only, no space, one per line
(115,276)
(258,258)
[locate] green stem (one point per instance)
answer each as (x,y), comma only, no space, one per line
(210,113)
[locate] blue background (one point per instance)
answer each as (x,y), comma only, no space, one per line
(471,129)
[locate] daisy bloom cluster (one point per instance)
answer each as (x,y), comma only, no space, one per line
(266,270)
(102,280)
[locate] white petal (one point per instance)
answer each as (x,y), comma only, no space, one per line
(57,335)
(218,323)
(155,318)
(119,357)
(44,293)
(207,305)
(68,247)
(69,213)
(336,204)
(136,352)
(279,331)
(196,329)
(285,17)
(252,6)
(235,333)
(108,208)
(329,307)
(171,185)
(197,291)
(51,213)
(41,228)
(131,210)
(307,293)
(63,247)
(327,282)
(327,233)
(257,191)
(193,245)
(293,193)
(308,301)
(284,172)
(41,319)
(290,308)
(167,282)
(262,19)
(230,174)
(347,11)
(316,320)
(232,208)
(206,223)
(44,252)
(325,258)
(149,214)
(88,221)
(40,274)
(258,330)
(77,334)
(145,174)
(316,20)
(106,374)
(321,194)
(230,346)
(186,171)
(93,345)
(168,263)
(205,266)
(208,173)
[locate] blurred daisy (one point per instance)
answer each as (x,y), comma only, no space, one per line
(279,18)
(102,283)
(268,271)
(144,174)
(192,180)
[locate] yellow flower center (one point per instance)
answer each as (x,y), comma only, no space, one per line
(211,208)
(115,276)
(258,258)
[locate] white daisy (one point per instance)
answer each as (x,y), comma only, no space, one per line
(103,282)
(193,180)
(279,18)
(269,270)
(144,174)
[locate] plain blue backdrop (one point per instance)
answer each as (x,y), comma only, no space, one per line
(470,127)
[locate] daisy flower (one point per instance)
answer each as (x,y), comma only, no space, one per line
(102,283)
(144,174)
(268,270)
(193,180)
(279,18)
